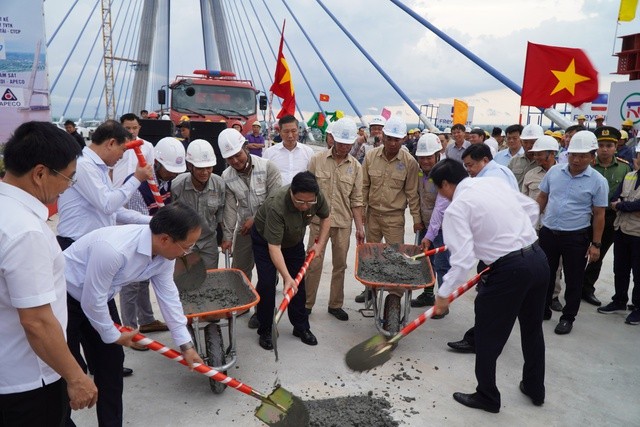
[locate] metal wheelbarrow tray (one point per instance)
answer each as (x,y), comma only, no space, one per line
(223,295)
(391,313)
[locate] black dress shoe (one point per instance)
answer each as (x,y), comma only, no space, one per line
(423,300)
(537,402)
(462,346)
(338,313)
(265,341)
(564,327)
(127,372)
(306,337)
(361,298)
(556,305)
(253,321)
(474,401)
(308,310)
(591,299)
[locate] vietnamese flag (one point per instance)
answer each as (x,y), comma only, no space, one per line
(324,97)
(282,86)
(555,75)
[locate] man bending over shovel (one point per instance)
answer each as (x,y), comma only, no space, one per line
(98,265)
(277,236)
(515,286)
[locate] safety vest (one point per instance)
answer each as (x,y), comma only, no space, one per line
(249,198)
(629,222)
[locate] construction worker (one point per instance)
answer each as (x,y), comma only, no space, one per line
(581,120)
(339,177)
(572,236)
(389,184)
(523,163)
(255,139)
(203,191)
(599,121)
(375,131)
(135,302)
(185,131)
(614,171)
(623,151)
(432,207)
(628,126)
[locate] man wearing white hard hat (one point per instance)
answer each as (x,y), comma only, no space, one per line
(203,191)
(135,302)
(255,139)
(389,184)
(570,194)
(523,163)
(432,207)
(339,176)
(248,180)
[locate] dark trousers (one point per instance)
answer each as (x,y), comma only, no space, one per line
(266,287)
(46,406)
(515,287)
(592,272)
(106,361)
(572,247)
(470,335)
(626,258)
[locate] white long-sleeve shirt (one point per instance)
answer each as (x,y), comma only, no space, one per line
(486,220)
(100,263)
(93,202)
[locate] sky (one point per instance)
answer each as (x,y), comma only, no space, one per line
(426,68)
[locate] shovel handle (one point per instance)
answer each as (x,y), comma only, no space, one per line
(135,146)
(432,311)
(430,252)
(287,297)
(172,354)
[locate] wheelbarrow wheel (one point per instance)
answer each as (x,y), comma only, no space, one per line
(215,353)
(392,314)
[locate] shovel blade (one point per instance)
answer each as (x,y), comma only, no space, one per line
(369,354)
(189,272)
(283,409)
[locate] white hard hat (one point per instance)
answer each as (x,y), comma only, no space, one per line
(200,154)
(165,117)
(583,142)
(256,123)
(395,127)
(169,152)
(230,142)
(345,131)
(428,145)
(545,143)
(446,130)
(377,121)
(532,131)
(467,129)
(329,128)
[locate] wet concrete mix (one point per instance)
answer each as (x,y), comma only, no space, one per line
(350,411)
(392,267)
(221,290)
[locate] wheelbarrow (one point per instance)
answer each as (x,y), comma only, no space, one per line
(212,305)
(390,305)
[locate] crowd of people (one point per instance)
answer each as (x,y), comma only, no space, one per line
(570,196)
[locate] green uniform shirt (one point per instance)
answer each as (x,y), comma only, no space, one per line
(279,222)
(614,174)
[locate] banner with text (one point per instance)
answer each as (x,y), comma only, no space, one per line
(444,118)
(24,86)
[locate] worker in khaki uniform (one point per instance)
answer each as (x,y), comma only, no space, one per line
(339,176)
(523,163)
(389,183)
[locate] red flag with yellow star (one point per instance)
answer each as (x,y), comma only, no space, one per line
(282,86)
(556,75)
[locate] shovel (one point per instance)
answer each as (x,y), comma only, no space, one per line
(377,350)
(413,259)
(279,409)
(287,299)
(189,272)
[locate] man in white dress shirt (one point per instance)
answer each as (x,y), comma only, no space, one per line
(515,286)
(39,377)
(129,161)
(289,156)
(98,265)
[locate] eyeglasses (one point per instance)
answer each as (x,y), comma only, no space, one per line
(304,202)
(188,250)
(71,181)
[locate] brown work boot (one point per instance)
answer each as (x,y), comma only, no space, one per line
(155,326)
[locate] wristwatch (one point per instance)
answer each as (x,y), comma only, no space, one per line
(186,346)
(596,245)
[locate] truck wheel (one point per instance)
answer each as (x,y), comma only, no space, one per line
(392,314)
(215,353)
